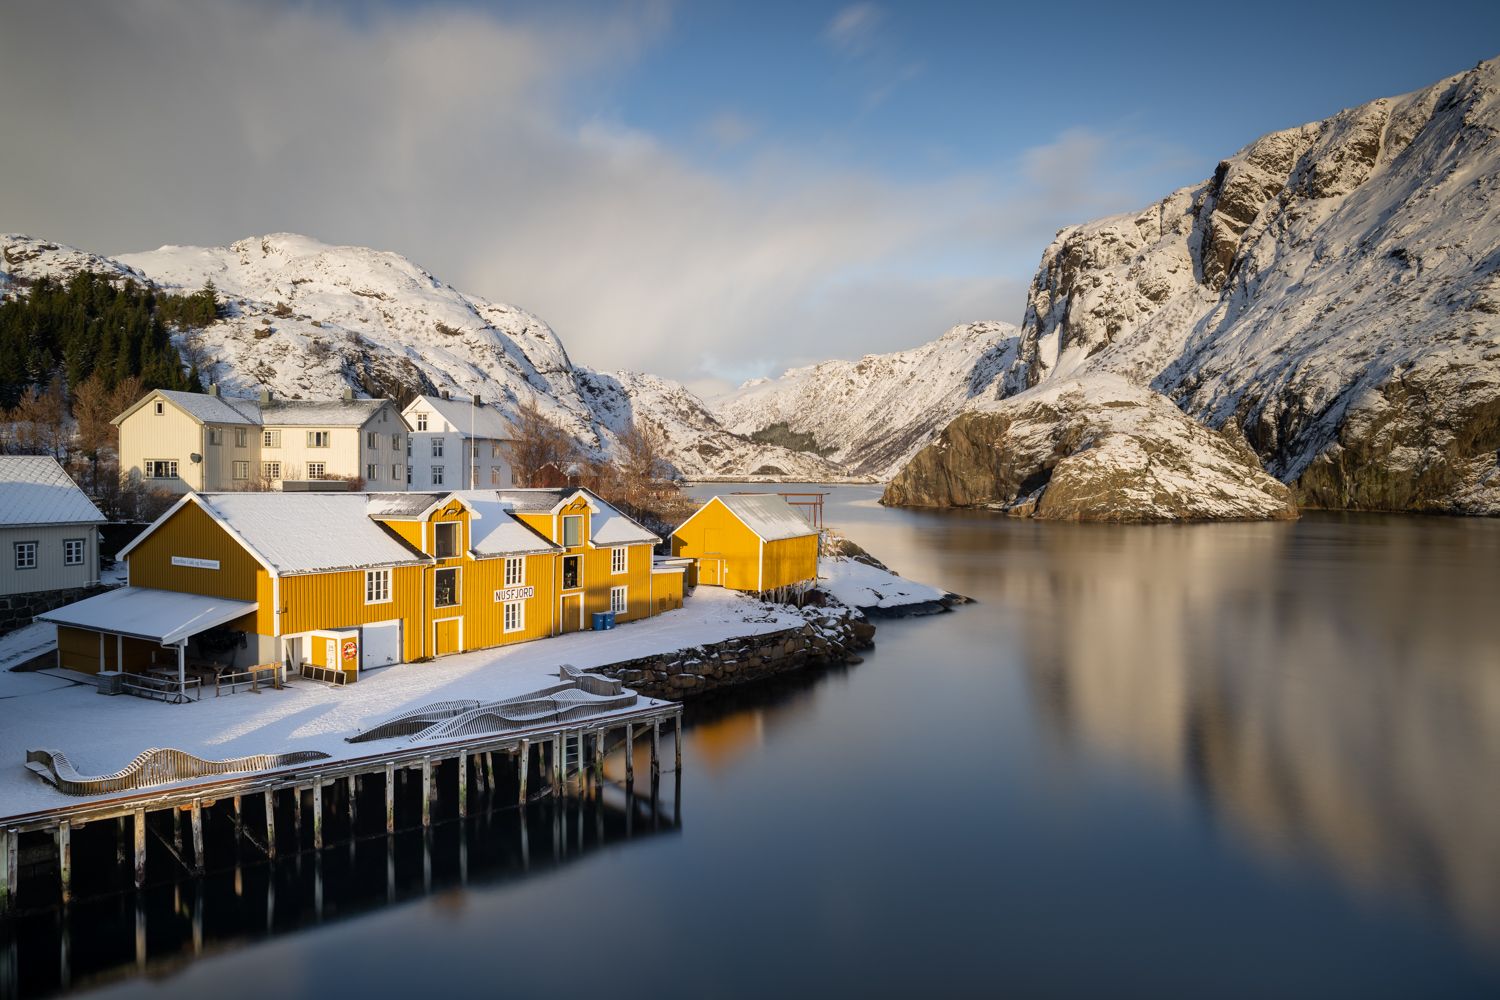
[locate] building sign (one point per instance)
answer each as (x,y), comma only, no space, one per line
(350,653)
(514,594)
(195,563)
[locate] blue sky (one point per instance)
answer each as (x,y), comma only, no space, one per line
(707,190)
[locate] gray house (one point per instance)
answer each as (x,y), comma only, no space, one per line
(49,538)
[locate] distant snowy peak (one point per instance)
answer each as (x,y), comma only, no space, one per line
(25,259)
(873,414)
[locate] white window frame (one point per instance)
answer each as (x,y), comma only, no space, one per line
(396,474)
(68,549)
(25,555)
(437,475)
(319,439)
(494,475)
(458,538)
(372,438)
(619,560)
(395,442)
(619,600)
(515,571)
(271,471)
(518,609)
(315,470)
(565,520)
(155,466)
(372,473)
(270,439)
(215,435)
(421,421)
(241,438)
(377,586)
(437,447)
(160,407)
(458,587)
(241,469)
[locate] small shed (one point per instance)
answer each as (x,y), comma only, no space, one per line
(749,541)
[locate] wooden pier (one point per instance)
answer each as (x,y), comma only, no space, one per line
(565,760)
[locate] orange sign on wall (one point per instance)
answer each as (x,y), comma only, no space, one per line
(350,653)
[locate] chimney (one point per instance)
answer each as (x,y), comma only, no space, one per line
(213,389)
(348,393)
(445,393)
(477,400)
(265,396)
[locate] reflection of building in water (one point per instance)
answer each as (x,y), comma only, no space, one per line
(164,927)
(1332,688)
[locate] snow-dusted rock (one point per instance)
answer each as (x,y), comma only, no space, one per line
(873,414)
(1097,448)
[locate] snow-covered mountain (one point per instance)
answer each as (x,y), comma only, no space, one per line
(874,414)
(306,319)
(1331,296)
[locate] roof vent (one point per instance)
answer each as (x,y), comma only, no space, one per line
(265,396)
(213,390)
(348,393)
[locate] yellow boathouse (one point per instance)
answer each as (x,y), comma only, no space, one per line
(753,542)
(344,581)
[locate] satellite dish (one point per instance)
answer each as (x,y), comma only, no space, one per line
(196,457)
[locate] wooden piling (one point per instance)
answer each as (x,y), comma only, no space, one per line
(198,837)
(317,811)
(7,881)
(297,815)
(558,765)
(523,765)
(463,784)
(65,858)
(426,792)
(120,840)
(271,824)
(176,815)
(140,847)
(629,754)
(655,751)
(390,798)
(353,806)
(239,818)
(677,740)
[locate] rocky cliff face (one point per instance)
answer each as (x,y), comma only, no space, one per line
(874,414)
(306,319)
(1331,295)
(1091,449)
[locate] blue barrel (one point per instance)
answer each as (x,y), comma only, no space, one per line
(609,619)
(601,621)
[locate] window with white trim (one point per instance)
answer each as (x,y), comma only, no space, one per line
(494,475)
(160,407)
(372,439)
(619,599)
(421,421)
(395,442)
(270,439)
(271,471)
(445,588)
(445,540)
(318,439)
(215,435)
(241,437)
(437,447)
(26,555)
(497,450)
(377,586)
(618,559)
(72,551)
(242,470)
(572,530)
(515,572)
(437,475)
(396,474)
(161,468)
(372,473)
(315,470)
(515,616)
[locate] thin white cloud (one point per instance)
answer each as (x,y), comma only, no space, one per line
(852,29)
(443,134)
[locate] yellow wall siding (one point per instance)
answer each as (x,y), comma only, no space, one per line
(78,649)
(409,532)
(715,533)
(667,590)
(337,600)
(191,532)
(790,560)
(484,617)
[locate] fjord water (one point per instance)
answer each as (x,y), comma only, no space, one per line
(1215,760)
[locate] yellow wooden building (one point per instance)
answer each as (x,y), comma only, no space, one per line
(350,581)
(749,541)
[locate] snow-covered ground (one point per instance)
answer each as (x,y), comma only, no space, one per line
(861,585)
(24,643)
(48,710)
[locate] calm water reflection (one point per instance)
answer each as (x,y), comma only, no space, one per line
(1229,760)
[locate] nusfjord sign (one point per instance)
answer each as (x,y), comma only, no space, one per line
(514,594)
(195,563)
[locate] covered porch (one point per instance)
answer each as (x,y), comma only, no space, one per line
(138,639)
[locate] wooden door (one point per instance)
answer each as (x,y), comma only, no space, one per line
(711,572)
(572,612)
(445,636)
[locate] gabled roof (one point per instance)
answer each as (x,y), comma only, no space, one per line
(767,514)
(319,412)
(610,525)
(486,420)
(412,506)
(203,407)
(34,489)
(494,531)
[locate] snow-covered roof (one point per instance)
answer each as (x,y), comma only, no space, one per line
(309,532)
(768,515)
(204,406)
(319,412)
(163,616)
(401,506)
(484,419)
(610,525)
(493,531)
(34,489)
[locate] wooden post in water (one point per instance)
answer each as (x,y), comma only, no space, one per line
(489,772)
(677,740)
(629,756)
(140,847)
(598,761)
(523,765)
(120,840)
(239,819)
(426,792)
(176,815)
(463,784)
(353,806)
(7,882)
(65,858)
(271,824)
(559,766)
(317,810)
(198,837)
(655,751)
(390,798)
(297,814)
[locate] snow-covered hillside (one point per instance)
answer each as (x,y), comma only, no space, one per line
(873,414)
(1331,294)
(307,319)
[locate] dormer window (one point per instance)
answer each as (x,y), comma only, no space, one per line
(160,407)
(445,539)
(572,525)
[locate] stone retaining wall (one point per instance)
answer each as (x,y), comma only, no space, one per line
(18,609)
(831,635)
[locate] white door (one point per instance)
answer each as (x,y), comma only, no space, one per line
(331,655)
(380,644)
